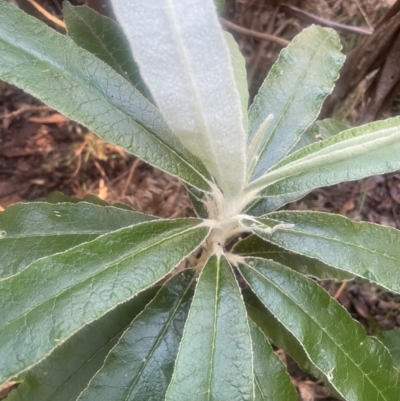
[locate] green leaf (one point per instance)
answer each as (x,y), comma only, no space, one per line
(257,247)
(219,5)
(353,154)
(391,340)
(147,350)
(104,38)
(66,372)
(366,250)
(293,93)
(270,377)
(215,359)
(281,337)
(38,229)
(268,204)
(56,296)
(59,197)
(356,365)
(320,130)
(240,74)
(185,61)
(76,83)
(197,198)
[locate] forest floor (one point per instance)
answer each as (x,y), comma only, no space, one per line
(42,151)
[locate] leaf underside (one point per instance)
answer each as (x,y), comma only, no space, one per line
(185,61)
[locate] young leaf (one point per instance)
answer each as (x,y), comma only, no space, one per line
(240,75)
(256,247)
(353,154)
(36,230)
(148,355)
(64,374)
(104,38)
(293,93)
(357,366)
(270,376)
(184,60)
(51,67)
(366,250)
(56,296)
(215,359)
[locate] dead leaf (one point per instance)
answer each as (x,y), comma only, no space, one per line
(50,119)
(6,388)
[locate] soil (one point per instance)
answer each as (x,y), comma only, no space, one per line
(41,152)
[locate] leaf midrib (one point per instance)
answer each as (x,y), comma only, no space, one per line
(217,288)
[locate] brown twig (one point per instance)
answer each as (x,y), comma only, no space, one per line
(24,110)
(256,34)
(48,15)
(340,290)
(364,14)
(308,17)
(135,164)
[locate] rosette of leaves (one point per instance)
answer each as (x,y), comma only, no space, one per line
(91,305)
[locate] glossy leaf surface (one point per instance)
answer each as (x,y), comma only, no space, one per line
(356,365)
(56,296)
(271,379)
(147,350)
(281,337)
(76,83)
(185,61)
(104,38)
(67,371)
(353,154)
(215,359)
(257,247)
(293,93)
(366,250)
(39,229)
(391,340)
